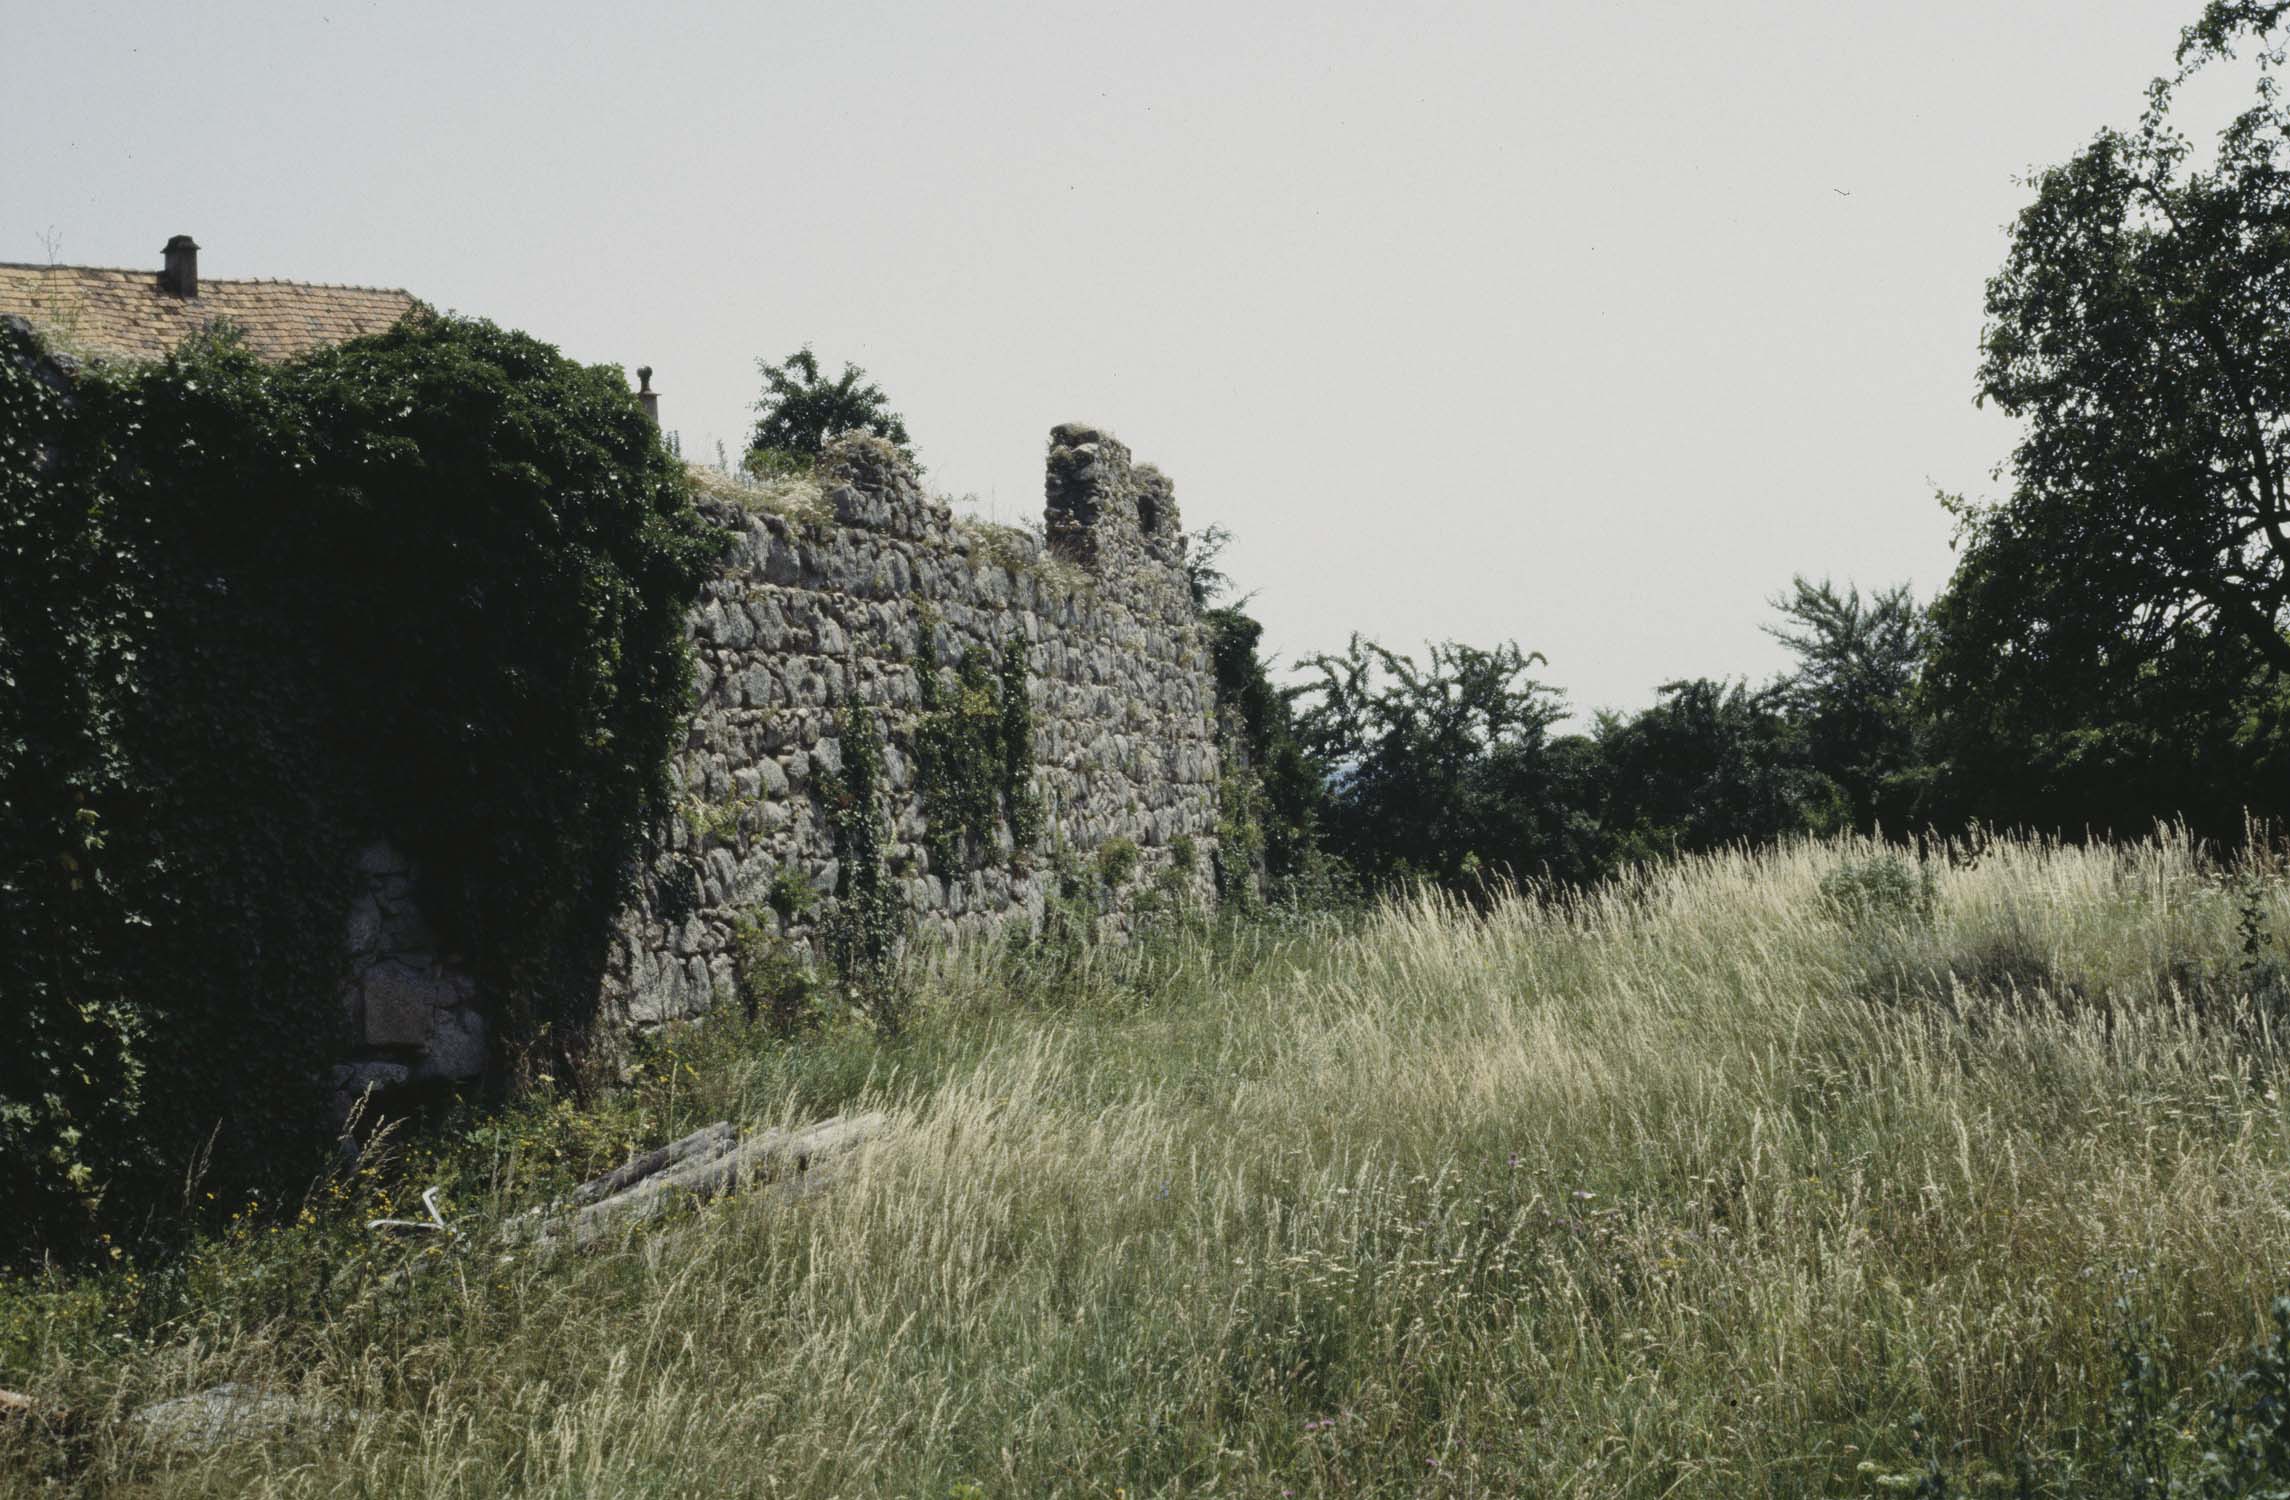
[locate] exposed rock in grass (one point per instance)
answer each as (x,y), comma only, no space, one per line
(219,1414)
(706,1144)
(706,1164)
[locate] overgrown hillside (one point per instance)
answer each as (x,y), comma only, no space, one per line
(1796,1173)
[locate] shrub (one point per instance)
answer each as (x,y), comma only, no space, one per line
(801,410)
(774,981)
(1116,861)
(2228,1439)
(868,923)
(791,894)
(1879,889)
(974,759)
(2008,961)
(2258,977)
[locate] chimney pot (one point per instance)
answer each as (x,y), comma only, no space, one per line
(180,273)
(646,397)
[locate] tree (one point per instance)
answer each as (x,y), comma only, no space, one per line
(1711,764)
(1438,770)
(801,409)
(1207,581)
(1272,797)
(1852,694)
(2139,570)
(2138,328)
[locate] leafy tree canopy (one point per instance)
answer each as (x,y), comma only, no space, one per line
(801,409)
(2138,328)
(1426,762)
(1853,691)
(1711,764)
(2136,581)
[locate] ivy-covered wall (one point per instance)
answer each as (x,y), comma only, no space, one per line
(1033,707)
(336,702)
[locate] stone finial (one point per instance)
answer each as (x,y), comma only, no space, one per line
(646,397)
(179,273)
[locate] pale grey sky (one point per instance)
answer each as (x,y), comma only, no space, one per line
(1574,323)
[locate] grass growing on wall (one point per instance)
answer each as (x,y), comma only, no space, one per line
(1708,1183)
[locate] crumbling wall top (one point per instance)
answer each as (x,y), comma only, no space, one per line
(1105,511)
(872,484)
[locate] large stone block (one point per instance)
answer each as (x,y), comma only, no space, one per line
(398,1003)
(456,1047)
(353,1082)
(365,934)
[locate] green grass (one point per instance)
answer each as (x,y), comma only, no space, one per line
(1706,1184)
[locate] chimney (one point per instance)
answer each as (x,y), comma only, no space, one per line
(180,275)
(646,397)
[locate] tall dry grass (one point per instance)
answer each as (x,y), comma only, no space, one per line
(1701,1184)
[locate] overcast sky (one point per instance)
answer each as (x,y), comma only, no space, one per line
(1580,324)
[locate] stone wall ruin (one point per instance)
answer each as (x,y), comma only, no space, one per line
(835,599)
(832,595)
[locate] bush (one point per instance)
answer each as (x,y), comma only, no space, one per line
(867,927)
(974,760)
(774,979)
(801,410)
(428,585)
(2229,1439)
(1116,861)
(1880,889)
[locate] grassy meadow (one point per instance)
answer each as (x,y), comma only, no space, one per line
(1791,1173)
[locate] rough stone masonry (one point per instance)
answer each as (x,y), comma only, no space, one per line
(839,601)
(811,613)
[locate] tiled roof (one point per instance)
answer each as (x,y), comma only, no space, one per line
(128,315)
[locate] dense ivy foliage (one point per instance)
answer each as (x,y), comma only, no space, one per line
(1021,803)
(1270,795)
(868,921)
(513,633)
(974,760)
(428,586)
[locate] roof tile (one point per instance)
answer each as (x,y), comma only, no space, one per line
(127,314)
